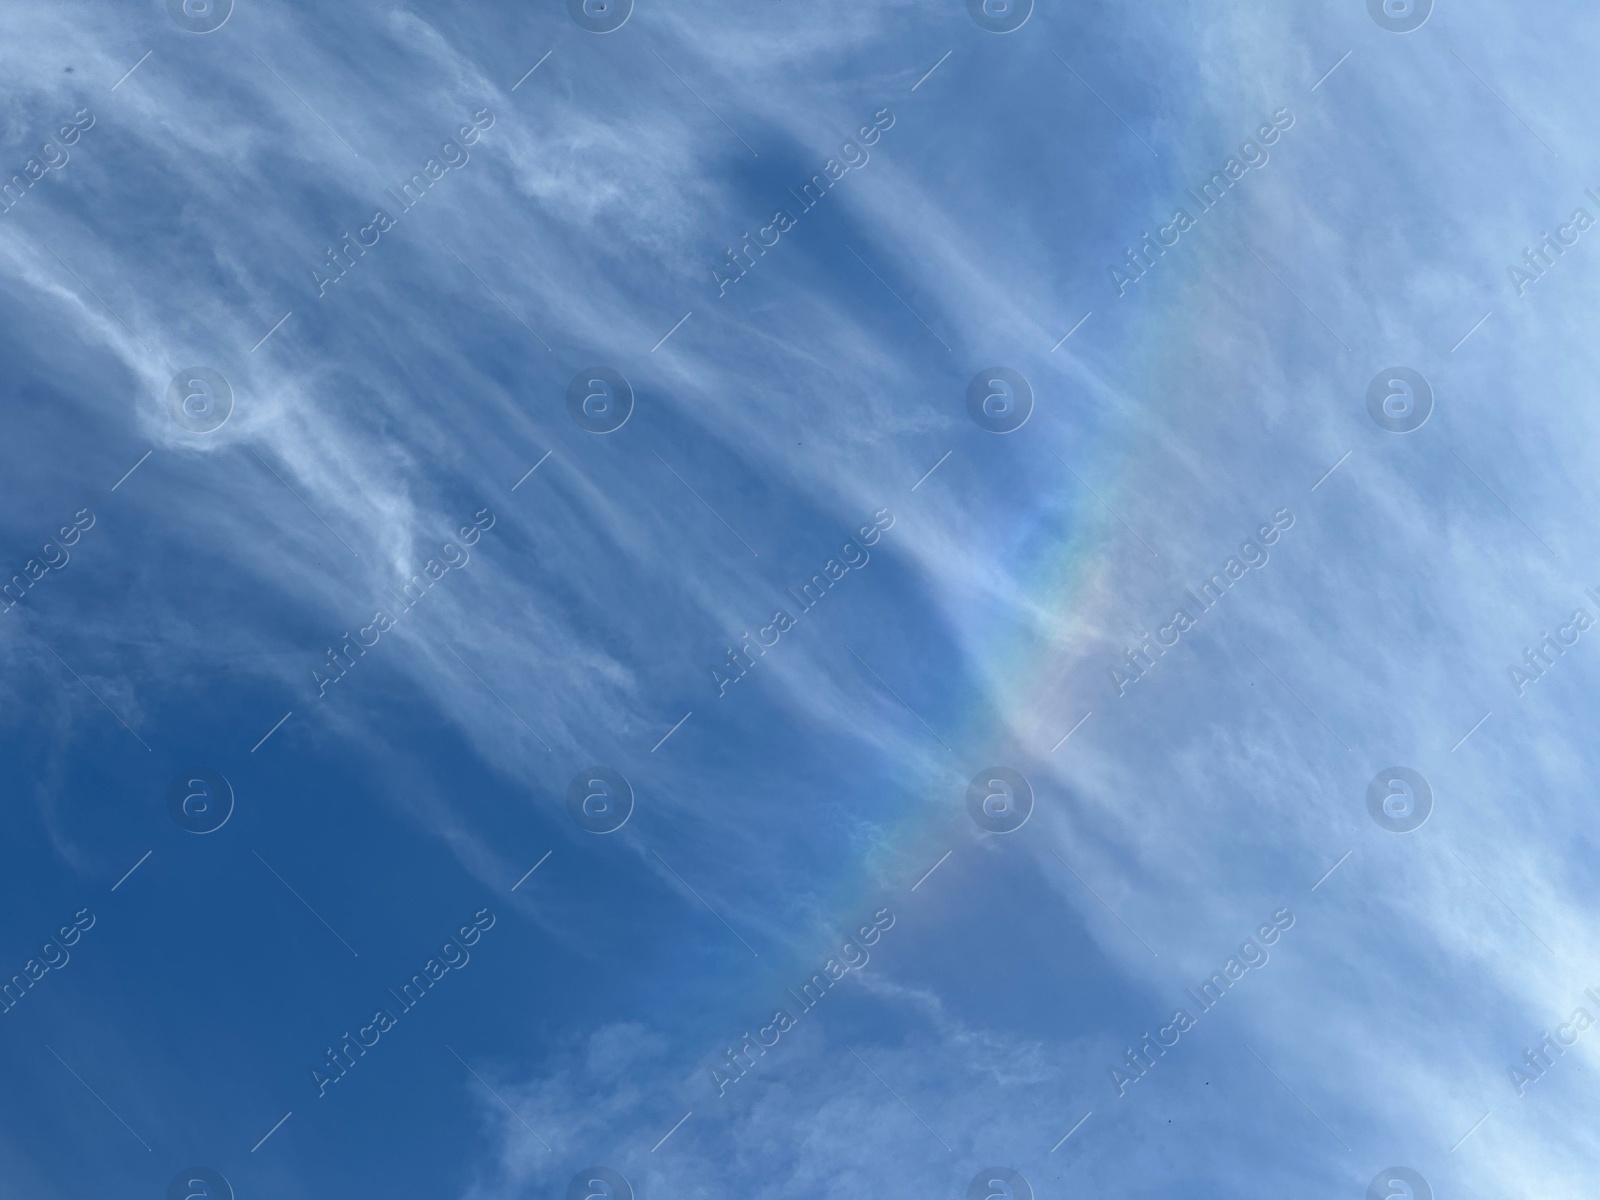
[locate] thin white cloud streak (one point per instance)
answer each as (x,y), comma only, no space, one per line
(377,495)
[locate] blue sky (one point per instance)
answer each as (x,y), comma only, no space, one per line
(179,586)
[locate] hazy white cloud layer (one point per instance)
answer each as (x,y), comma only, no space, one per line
(1277,615)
